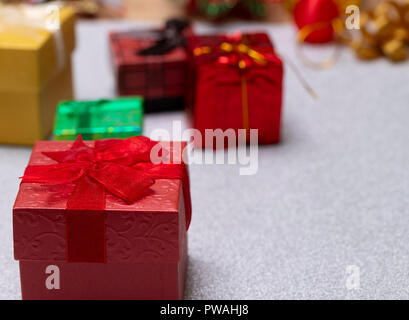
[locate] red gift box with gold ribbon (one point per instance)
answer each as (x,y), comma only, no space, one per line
(236,83)
(99,220)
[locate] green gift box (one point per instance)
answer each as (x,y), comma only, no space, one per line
(99,119)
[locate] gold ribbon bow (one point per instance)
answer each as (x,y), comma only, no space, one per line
(238,55)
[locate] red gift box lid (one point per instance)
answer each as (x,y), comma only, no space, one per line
(149,230)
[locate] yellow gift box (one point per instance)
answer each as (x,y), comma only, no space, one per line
(36,43)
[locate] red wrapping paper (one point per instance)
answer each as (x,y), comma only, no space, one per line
(216,97)
(149,232)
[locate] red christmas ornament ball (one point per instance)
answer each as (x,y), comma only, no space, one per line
(310,12)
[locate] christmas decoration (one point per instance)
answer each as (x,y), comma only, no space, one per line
(317,17)
(99,119)
(219,9)
(313,12)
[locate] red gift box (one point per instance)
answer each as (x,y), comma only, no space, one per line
(98,220)
(160,78)
(236,83)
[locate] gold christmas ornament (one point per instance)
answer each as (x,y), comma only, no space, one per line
(384,31)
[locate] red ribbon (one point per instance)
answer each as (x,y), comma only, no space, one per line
(120,167)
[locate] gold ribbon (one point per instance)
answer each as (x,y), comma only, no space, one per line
(289,4)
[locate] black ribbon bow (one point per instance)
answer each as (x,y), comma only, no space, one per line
(169,38)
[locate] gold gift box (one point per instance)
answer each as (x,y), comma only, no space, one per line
(35,69)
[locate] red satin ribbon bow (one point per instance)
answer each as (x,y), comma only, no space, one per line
(120,167)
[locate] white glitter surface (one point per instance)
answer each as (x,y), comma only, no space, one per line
(334,193)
